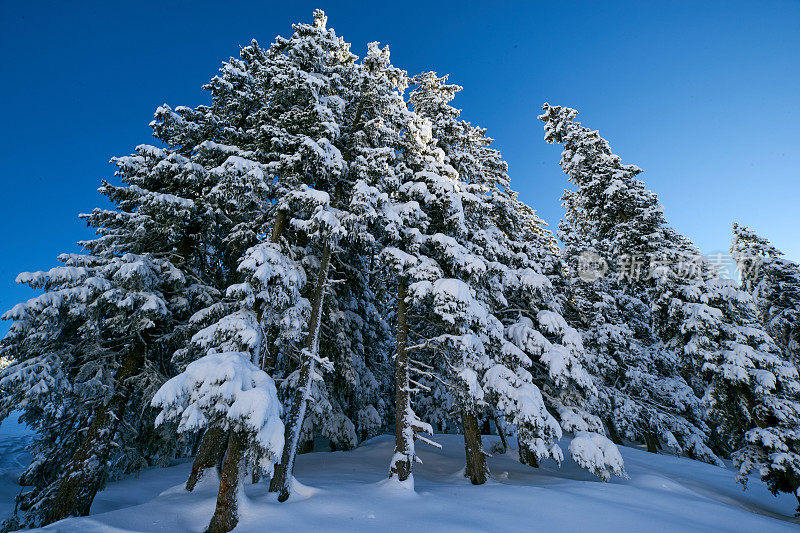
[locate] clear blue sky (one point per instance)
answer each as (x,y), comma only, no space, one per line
(704,96)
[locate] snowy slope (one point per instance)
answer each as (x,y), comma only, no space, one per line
(14,439)
(664,493)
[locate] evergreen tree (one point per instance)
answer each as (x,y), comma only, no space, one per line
(614,233)
(339,88)
(497,339)
(774,283)
(772,447)
(749,392)
(107,323)
(227,390)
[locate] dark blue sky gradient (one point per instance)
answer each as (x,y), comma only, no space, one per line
(704,96)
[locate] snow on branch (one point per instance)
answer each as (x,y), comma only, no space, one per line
(226,388)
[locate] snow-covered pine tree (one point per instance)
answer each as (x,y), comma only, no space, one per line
(355,337)
(392,146)
(449,195)
(218,143)
(352,311)
(750,389)
(326,227)
(754,394)
(322,61)
(228,391)
(211,182)
(270,132)
(353,96)
(267,135)
(490,252)
(268,299)
(359,343)
(452,329)
(86,354)
(758,373)
(711,325)
(774,282)
(111,319)
(613,232)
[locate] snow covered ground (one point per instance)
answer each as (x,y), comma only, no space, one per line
(664,493)
(14,438)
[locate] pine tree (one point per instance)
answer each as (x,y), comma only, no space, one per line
(220,143)
(745,381)
(264,140)
(270,134)
(613,233)
(486,279)
(772,447)
(395,143)
(86,355)
(335,77)
(708,325)
(228,391)
(111,319)
(774,283)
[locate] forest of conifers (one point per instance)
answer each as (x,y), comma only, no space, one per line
(326,250)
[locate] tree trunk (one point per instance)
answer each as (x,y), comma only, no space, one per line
(486,427)
(613,434)
(283,472)
(226,514)
(278,225)
(209,454)
(527,457)
(269,357)
(404,433)
(476,469)
(652,442)
(212,446)
(86,472)
(502,434)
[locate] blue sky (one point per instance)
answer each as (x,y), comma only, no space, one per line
(704,96)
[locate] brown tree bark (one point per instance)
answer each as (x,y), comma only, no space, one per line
(476,469)
(502,434)
(86,472)
(283,472)
(652,442)
(402,467)
(209,454)
(278,226)
(226,514)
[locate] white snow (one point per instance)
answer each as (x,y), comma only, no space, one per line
(348,491)
(14,458)
(229,387)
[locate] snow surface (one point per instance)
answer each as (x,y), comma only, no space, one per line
(347,491)
(14,458)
